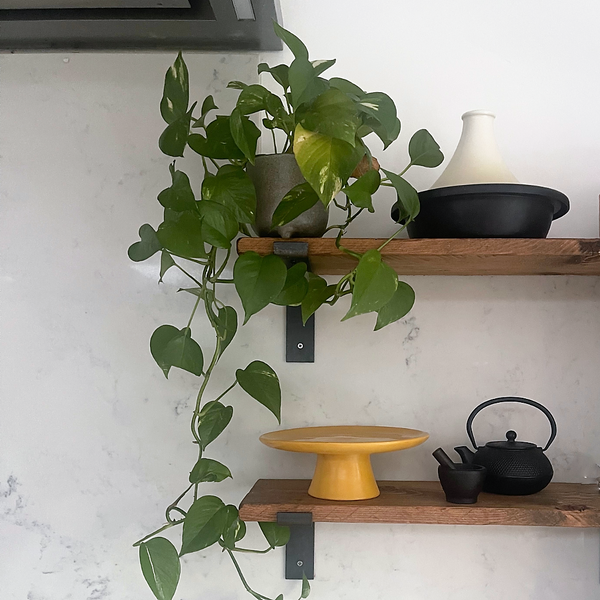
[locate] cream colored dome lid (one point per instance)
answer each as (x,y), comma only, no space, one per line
(476,158)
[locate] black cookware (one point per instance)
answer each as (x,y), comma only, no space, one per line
(486,210)
(514,468)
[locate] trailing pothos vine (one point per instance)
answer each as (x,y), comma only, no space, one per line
(323,122)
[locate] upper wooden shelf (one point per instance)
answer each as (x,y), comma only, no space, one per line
(559,505)
(555,256)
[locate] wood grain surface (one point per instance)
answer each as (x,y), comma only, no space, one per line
(555,256)
(559,505)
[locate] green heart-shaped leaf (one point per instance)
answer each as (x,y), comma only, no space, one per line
(397,307)
(218,143)
(226,323)
(172,347)
(203,524)
(179,196)
(173,139)
(361,191)
(318,293)
(262,383)
(176,92)
(374,285)
(379,114)
(274,107)
(325,162)
(278,72)
(346,86)
(213,419)
(181,233)
(298,200)
(258,280)
(232,188)
(253,98)
(291,41)
(207,105)
(408,198)
(320,66)
(245,133)
(304,83)
(209,470)
(198,292)
(333,114)
(276,535)
(371,125)
(295,288)
(160,566)
(235,528)
(166,262)
(424,150)
(219,225)
(379,106)
(146,247)
(305,587)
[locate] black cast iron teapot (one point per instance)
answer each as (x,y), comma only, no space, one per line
(513,468)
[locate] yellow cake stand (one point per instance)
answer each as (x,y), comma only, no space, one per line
(343,470)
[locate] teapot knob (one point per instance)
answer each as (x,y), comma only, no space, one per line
(511,435)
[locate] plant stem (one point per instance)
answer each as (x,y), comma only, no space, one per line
(406,169)
(394,235)
(175,503)
(274,141)
(222,267)
(196,261)
(186,273)
(250,551)
(159,530)
(179,510)
(243,579)
(338,243)
(342,281)
(194,311)
(227,390)
(196,413)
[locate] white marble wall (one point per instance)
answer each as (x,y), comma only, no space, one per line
(94,441)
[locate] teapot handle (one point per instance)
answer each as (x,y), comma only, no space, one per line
(511,399)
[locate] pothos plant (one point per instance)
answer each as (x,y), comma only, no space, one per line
(324,123)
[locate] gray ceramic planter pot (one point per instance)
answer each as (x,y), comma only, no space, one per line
(274,175)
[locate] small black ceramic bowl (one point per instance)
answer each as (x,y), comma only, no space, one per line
(462,484)
(487,210)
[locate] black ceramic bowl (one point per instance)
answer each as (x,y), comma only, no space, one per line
(487,210)
(462,484)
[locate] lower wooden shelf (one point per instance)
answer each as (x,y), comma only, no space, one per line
(559,505)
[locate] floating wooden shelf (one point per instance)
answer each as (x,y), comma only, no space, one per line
(559,505)
(554,256)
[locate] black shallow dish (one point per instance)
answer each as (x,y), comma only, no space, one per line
(487,210)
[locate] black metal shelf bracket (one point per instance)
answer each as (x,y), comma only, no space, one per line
(300,550)
(299,338)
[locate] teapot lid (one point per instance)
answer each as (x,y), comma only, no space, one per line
(511,443)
